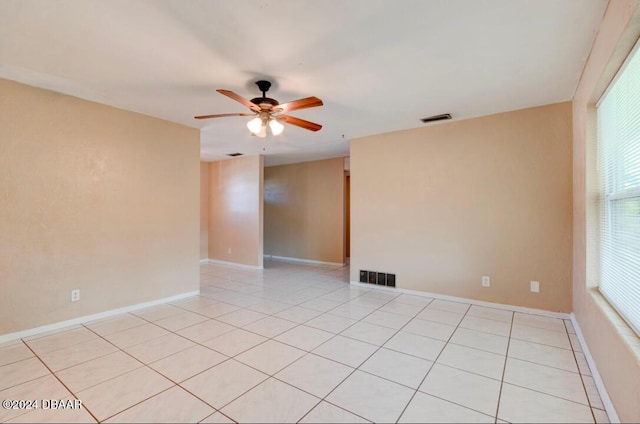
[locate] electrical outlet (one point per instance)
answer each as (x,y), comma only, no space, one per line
(229,250)
(535,286)
(75,295)
(486,281)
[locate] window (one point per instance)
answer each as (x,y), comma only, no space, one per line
(619,172)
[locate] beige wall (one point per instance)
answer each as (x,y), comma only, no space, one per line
(236,210)
(91,198)
(443,205)
(204,210)
(304,210)
(617,364)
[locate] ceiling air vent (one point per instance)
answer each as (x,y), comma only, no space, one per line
(235,154)
(434,118)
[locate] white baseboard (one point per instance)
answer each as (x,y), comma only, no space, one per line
(522,309)
(93,317)
(606,400)
(231,264)
(299,260)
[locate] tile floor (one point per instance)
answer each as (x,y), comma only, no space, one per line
(296,343)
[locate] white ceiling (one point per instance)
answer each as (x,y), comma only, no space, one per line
(378,66)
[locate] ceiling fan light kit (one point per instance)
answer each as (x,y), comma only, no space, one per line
(269,112)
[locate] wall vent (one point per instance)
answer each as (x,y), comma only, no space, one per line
(235,154)
(434,118)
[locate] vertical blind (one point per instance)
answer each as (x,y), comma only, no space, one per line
(619,203)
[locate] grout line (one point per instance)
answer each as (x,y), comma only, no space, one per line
(271,292)
(504,368)
(584,386)
(433,362)
(61,382)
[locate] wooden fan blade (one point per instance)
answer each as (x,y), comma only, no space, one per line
(240,99)
(223,115)
(299,104)
(311,126)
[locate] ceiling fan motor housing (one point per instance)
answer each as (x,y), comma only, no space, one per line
(268,100)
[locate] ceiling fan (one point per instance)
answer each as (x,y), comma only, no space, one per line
(269,112)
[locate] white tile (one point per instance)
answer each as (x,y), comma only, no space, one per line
(271,402)
(187,363)
(480,340)
(470,390)
(269,307)
(401,308)
(71,415)
(569,326)
(349,310)
(398,367)
(158,312)
(178,321)
(298,314)
(136,335)
(413,344)
(305,338)
(542,336)
(171,406)
(195,304)
(428,409)
(331,323)
(235,342)
(241,317)
(592,392)
(522,405)
(547,323)
(490,313)
(217,310)
(491,326)
(371,397)
(445,305)
(374,302)
(327,413)
(270,356)
(583,365)
(115,395)
(60,340)
(369,333)
(217,417)
(76,354)
(601,416)
(473,360)
(346,351)
(205,330)
(270,326)
(223,383)
(435,330)
(158,348)
(387,319)
(552,381)
(98,370)
(21,371)
(543,354)
(47,387)
(413,300)
(315,374)
(575,343)
(321,305)
(443,317)
(113,325)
